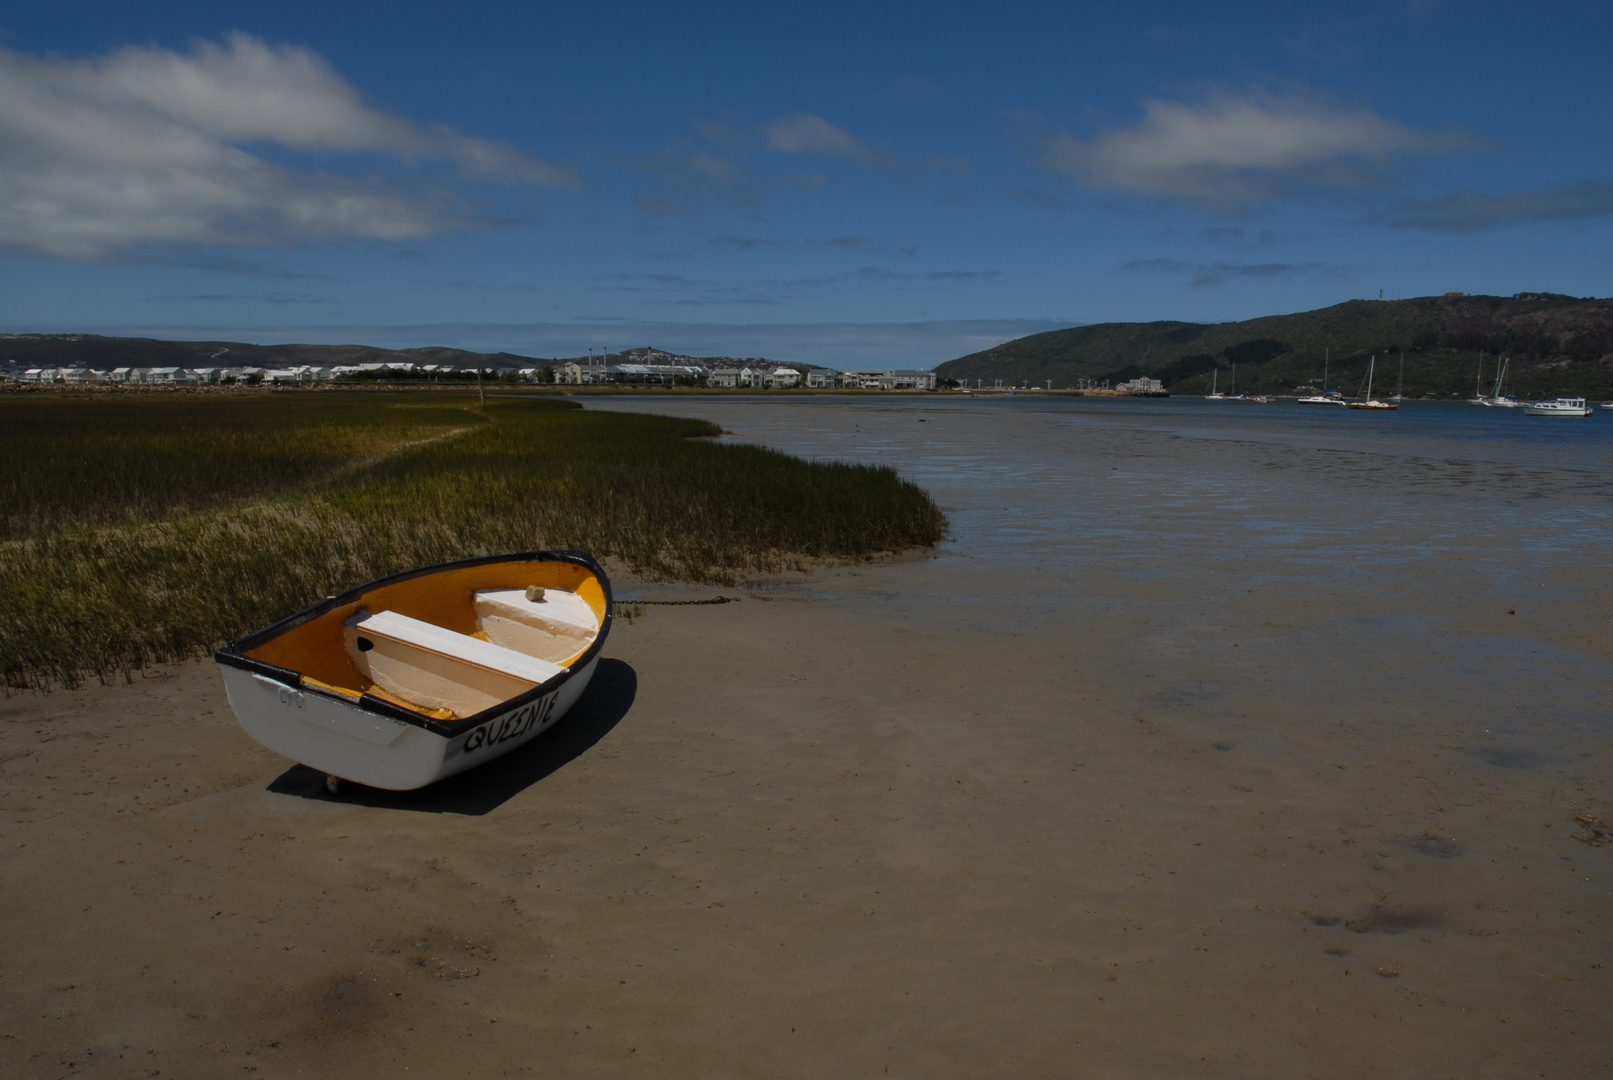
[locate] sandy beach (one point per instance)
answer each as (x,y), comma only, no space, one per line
(1158,766)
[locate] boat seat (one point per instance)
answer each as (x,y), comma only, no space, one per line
(435,668)
(552,624)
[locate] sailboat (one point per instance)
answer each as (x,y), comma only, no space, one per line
(1497,399)
(1400,383)
(1478,397)
(1212,395)
(1233,394)
(1261,398)
(1368,401)
(1326,397)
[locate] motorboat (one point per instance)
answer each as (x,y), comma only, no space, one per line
(1563,406)
(414,677)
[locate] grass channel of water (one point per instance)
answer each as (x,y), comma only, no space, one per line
(141,530)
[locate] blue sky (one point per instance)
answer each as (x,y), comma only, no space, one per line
(836,183)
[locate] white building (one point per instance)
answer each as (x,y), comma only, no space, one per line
(287,376)
(888,379)
(821,378)
(1142,385)
(907,380)
(784,378)
(725,376)
(582,374)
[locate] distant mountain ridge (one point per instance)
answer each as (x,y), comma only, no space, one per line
(96,351)
(104,353)
(1555,344)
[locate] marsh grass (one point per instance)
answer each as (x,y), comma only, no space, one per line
(77,460)
(81,600)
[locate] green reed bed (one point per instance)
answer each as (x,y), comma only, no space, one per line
(78,601)
(90,459)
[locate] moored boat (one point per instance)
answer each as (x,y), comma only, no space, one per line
(1368,401)
(1563,406)
(411,678)
(1326,397)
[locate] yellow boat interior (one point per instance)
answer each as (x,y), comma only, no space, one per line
(454,599)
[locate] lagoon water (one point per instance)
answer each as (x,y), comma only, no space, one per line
(1409,529)
(1297,721)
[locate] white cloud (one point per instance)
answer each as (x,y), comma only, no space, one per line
(145,146)
(1233,150)
(805,133)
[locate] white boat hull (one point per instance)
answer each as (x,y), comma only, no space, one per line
(350,742)
(339,723)
(1560,407)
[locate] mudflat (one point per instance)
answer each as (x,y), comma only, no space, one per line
(1154,768)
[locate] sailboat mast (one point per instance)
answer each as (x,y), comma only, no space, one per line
(1326,355)
(1400,384)
(1478,380)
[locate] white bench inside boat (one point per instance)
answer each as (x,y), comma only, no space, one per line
(436,668)
(555,627)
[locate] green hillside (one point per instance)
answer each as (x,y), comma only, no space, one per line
(1556,345)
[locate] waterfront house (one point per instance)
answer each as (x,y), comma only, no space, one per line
(168,376)
(907,380)
(724,376)
(1142,386)
(860,380)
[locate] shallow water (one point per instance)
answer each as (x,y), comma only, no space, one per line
(1187,484)
(1370,537)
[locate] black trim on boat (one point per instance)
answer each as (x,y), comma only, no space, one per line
(233,654)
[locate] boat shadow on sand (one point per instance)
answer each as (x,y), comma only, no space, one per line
(477,791)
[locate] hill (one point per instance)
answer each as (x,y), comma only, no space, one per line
(104,353)
(1555,344)
(95,351)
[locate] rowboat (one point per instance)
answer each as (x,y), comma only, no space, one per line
(411,678)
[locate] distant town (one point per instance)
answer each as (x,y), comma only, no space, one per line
(644,367)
